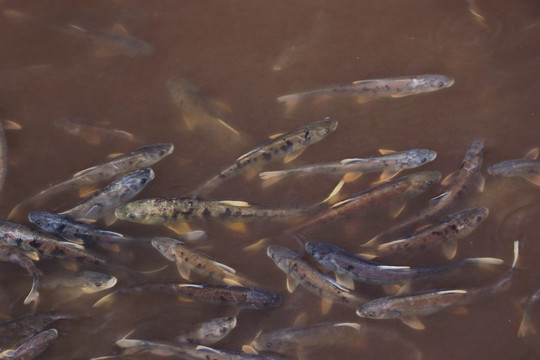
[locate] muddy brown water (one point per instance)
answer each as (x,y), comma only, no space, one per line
(228,49)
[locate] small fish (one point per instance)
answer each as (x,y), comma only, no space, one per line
(32,347)
(367,90)
(11,254)
(140,158)
(407,307)
(299,271)
(114,42)
(16,331)
(241,296)
(444,233)
(458,183)
(528,167)
(87,282)
(27,239)
(3,157)
(390,164)
(209,332)
(188,260)
(409,186)
(355,267)
(526,327)
(92,134)
(286,147)
(102,203)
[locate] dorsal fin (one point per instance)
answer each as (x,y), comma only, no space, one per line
(532,154)
(119,29)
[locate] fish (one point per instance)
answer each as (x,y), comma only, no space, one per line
(526,327)
(231,295)
(457,184)
(300,272)
(390,164)
(357,268)
(188,260)
(408,306)
(409,186)
(208,332)
(367,90)
(26,239)
(3,157)
(139,158)
(11,254)
(16,331)
(32,347)
(444,233)
(286,147)
(103,203)
(528,167)
(86,282)
(92,134)
(115,42)
(134,346)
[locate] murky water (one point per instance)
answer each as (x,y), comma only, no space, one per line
(230,49)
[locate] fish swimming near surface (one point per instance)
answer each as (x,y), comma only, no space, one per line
(92,134)
(367,90)
(390,164)
(528,167)
(286,147)
(33,347)
(444,233)
(85,282)
(408,306)
(11,254)
(103,203)
(140,158)
(208,332)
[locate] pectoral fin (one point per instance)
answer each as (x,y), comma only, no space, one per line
(535,179)
(110,219)
(398,210)
(388,174)
(183,270)
(237,226)
(345,280)
(292,283)
(386,151)
(413,322)
(532,154)
(437,199)
(257,246)
(480,182)
(350,177)
(450,179)
(86,191)
(449,249)
(326,305)
(526,328)
(179,227)
(293,155)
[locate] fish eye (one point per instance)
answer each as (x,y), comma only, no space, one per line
(440,84)
(98,283)
(269,345)
(132,216)
(424,160)
(478,218)
(143,181)
(430,182)
(223,330)
(161,152)
(372,313)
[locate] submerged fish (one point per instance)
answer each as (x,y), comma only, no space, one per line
(16,331)
(209,332)
(102,203)
(409,185)
(299,271)
(528,167)
(366,90)
(87,282)
(241,296)
(444,233)
(526,327)
(390,164)
(92,134)
(140,158)
(188,260)
(284,147)
(357,268)
(47,245)
(11,254)
(406,307)
(32,347)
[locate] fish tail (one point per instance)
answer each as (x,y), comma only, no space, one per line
(271,177)
(33,295)
(290,102)
(526,328)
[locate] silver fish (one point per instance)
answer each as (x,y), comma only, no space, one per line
(209,332)
(32,347)
(11,254)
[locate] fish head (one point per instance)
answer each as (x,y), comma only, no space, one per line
(473,157)
(263,298)
(214,330)
(470,218)
(93,282)
(319,129)
(137,180)
(151,154)
(378,309)
(166,247)
(322,252)
(45,220)
(280,254)
(432,82)
(423,180)
(417,157)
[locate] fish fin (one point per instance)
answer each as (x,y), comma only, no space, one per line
(275,136)
(228,127)
(11,125)
(534,179)
(343,202)
(460,310)
(82,172)
(235,203)
(526,327)
(73,245)
(319,99)
(292,283)
(437,199)
(449,249)
(33,295)
(376,240)
(194,235)
(271,177)
(225,267)
(102,52)
(111,247)
(367,255)
(413,322)
(450,178)
(362,99)
(532,154)
(34,255)
(397,96)
(110,219)
(386,151)
(190,124)
(333,196)
(350,161)
(179,227)
(345,280)
(404,289)
(220,105)
(396,211)
(389,174)
(119,29)
(301,319)
(237,226)
(250,174)
(183,270)
(86,191)
(231,281)
(15,212)
(290,102)
(421,227)
(350,177)
(104,300)
(355,326)
(113,155)
(480,183)
(390,289)
(248,349)
(257,245)
(293,155)
(326,305)
(70,265)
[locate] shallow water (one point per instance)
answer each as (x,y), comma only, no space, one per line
(228,49)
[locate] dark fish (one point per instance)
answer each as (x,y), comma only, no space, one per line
(16,331)
(11,254)
(33,346)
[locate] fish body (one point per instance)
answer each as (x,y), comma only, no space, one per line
(47,245)
(91,133)
(209,332)
(88,282)
(188,260)
(241,296)
(409,185)
(366,90)
(299,271)
(360,269)
(283,147)
(103,202)
(16,331)
(11,254)
(443,233)
(526,168)
(33,346)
